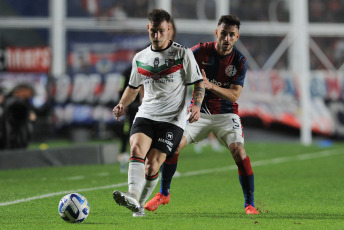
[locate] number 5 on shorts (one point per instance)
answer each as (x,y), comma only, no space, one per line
(236,124)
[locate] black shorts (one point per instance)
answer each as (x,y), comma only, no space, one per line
(165,136)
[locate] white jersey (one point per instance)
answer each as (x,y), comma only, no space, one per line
(165,75)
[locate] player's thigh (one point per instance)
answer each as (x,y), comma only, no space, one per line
(167,137)
(141,135)
(197,131)
(228,128)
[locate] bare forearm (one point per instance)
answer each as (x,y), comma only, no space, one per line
(129,96)
(231,95)
(199,91)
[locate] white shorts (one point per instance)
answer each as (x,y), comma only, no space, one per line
(226,127)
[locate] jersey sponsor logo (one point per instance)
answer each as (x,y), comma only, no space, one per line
(220,84)
(158,79)
(156,72)
(230,71)
(155,77)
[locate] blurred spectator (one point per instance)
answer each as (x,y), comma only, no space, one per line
(2,99)
(260,10)
(116,12)
(316,10)
(17,117)
(339,52)
(248,10)
(326,11)
(262,47)
(114,9)
(333,48)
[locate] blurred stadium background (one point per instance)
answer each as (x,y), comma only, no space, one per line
(72,53)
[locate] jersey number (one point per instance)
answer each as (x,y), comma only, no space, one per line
(236,124)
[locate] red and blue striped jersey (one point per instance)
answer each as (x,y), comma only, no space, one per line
(222,71)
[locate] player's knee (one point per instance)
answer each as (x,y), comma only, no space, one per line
(238,151)
(136,151)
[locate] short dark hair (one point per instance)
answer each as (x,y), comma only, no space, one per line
(157,16)
(229,20)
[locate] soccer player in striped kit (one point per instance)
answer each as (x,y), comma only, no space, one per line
(225,69)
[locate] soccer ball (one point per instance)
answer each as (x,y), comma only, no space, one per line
(74,208)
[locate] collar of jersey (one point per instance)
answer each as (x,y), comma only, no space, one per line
(162,49)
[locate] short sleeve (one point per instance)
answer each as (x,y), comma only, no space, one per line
(193,73)
(135,78)
(239,78)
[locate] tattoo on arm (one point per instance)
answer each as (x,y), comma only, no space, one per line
(198,95)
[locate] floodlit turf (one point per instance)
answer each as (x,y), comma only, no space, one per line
(297,187)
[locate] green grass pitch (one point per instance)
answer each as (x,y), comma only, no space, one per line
(297,187)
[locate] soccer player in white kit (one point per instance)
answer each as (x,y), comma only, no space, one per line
(165,68)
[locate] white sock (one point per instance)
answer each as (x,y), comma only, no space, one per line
(136,178)
(147,190)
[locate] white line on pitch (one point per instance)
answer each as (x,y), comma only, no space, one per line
(278,160)
(83,177)
(61,193)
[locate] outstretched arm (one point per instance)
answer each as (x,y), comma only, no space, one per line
(128,97)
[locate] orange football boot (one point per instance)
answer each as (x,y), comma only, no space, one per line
(157,200)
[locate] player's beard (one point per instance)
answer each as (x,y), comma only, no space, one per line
(226,48)
(159,44)
(156,44)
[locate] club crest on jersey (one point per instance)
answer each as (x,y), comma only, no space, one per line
(230,71)
(156,62)
(169,62)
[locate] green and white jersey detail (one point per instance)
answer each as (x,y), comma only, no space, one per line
(165,75)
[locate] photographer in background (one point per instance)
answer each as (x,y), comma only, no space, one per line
(16,117)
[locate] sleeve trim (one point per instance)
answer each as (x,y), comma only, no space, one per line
(194,82)
(134,87)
